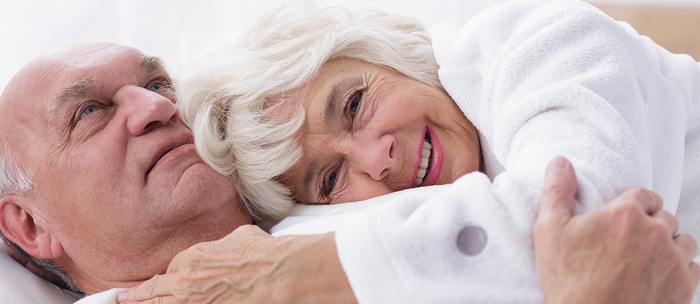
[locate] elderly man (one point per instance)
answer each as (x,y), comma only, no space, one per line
(106,182)
(102,186)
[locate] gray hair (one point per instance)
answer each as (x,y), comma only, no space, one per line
(15,179)
(229,95)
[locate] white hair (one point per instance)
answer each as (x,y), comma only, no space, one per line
(229,94)
(15,179)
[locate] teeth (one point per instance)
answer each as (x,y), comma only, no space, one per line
(420,175)
(425,159)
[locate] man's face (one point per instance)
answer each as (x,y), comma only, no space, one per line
(116,178)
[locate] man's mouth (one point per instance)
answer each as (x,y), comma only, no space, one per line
(163,152)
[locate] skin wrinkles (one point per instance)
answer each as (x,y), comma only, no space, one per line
(72,99)
(99,179)
(379,149)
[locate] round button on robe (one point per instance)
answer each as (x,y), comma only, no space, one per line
(471,240)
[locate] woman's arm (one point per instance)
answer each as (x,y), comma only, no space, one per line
(250,266)
(622,253)
(626,252)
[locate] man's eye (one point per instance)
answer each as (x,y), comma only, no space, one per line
(158,85)
(354,104)
(88,110)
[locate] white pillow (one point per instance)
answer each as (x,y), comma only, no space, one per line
(20,286)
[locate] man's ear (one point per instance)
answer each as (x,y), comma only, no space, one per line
(18,226)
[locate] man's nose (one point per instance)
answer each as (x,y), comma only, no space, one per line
(145,110)
(375,155)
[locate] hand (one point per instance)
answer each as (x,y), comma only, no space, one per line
(250,266)
(626,252)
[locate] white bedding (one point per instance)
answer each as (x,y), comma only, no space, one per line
(18,285)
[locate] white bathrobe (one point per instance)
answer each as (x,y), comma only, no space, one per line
(538,79)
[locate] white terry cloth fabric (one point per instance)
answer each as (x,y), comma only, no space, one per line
(696,299)
(105,297)
(538,79)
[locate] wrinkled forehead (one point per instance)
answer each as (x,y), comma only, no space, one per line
(66,70)
(29,98)
(44,79)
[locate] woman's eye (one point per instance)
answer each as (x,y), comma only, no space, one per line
(354,103)
(88,110)
(329,183)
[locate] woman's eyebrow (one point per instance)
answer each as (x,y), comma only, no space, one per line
(332,100)
(335,97)
(309,175)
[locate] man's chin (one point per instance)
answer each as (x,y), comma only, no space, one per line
(201,185)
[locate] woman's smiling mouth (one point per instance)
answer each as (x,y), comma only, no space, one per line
(424,162)
(429,162)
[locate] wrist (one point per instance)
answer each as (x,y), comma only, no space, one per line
(318,273)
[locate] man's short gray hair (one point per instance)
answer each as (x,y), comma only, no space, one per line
(15,179)
(229,95)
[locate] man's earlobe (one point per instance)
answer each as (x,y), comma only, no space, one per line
(18,226)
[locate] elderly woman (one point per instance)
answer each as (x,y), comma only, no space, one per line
(322,106)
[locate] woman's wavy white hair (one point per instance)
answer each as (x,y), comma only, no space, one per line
(229,95)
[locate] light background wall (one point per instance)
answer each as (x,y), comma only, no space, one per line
(169,28)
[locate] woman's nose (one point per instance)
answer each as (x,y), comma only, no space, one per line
(145,110)
(375,156)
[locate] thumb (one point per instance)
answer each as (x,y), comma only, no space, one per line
(559,192)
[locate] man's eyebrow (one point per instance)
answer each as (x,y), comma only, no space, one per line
(151,63)
(79,90)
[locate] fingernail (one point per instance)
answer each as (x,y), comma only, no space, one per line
(556,165)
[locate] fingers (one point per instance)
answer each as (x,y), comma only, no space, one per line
(687,245)
(248,231)
(156,300)
(234,240)
(150,290)
(668,220)
(695,272)
(647,200)
(558,197)
(243,232)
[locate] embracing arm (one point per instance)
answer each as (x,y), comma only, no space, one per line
(580,259)
(250,266)
(626,252)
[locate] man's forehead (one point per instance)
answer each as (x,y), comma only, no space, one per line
(36,87)
(92,55)
(69,70)
(60,66)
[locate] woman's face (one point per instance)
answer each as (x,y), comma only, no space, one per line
(370,131)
